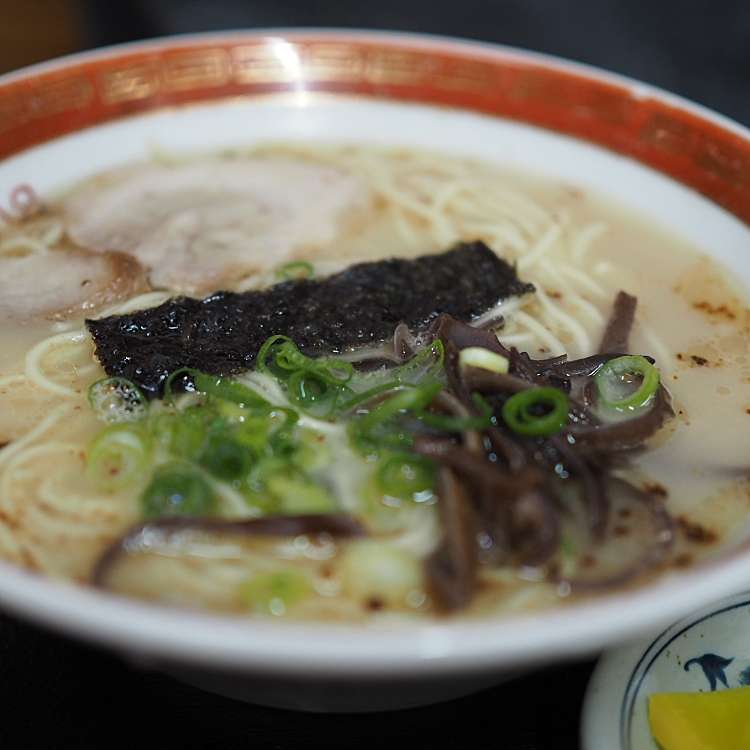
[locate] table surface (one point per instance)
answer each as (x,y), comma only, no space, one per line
(56,693)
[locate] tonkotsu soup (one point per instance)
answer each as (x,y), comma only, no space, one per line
(346,383)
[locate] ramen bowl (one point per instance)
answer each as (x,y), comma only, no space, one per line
(674,162)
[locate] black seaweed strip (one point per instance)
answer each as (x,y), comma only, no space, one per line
(363,304)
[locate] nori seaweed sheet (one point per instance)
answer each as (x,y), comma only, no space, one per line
(363,304)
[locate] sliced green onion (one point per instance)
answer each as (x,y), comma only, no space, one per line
(276,592)
(568,547)
(288,357)
(282,439)
(484,406)
(177,490)
(267,350)
(216,386)
(313,451)
(413,399)
(181,434)
(360,398)
(298,495)
(231,412)
(117,400)
(185,376)
(253,433)
(227,389)
(536,412)
(449,423)
(477,356)
(405,476)
(618,387)
(118,456)
(426,364)
(298,269)
(266,468)
(226,458)
(256,492)
(378,430)
(334,370)
(308,389)
(279,356)
(281,348)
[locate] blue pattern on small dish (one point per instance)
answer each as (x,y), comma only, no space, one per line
(709,650)
(713,666)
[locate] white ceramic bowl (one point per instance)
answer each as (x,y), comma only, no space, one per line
(64,120)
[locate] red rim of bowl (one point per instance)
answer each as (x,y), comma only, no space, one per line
(692,145)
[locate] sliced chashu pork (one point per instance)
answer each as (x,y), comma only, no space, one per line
(203,225)
(65,283)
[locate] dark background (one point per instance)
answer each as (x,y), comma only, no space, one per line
(697,48)
(58,694)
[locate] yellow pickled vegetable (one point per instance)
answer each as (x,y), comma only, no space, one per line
(701,721)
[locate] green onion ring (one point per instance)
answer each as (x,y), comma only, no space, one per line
(117,400)
(118,456)
(298,269)
(518,415)
(307,388)
(405,475)
(183,373)
(413,399)
(335,370)
(613,372)
(213,385)
(261,361)
(177,490)
(364,396)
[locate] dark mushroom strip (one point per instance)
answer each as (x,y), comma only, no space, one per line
(656,547)
(535,527)
(524,367)
(147,536)
(485,381)
(404,342)
(617,333)
(593,485)
(584,367)
(627,434)
(372,362)
(453,371)
(491,322)
(504,446)
(514,510)
(451,569)
(477,468)
(450,404)
(550,362)
(493,520)
(491,514)
(460,335)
